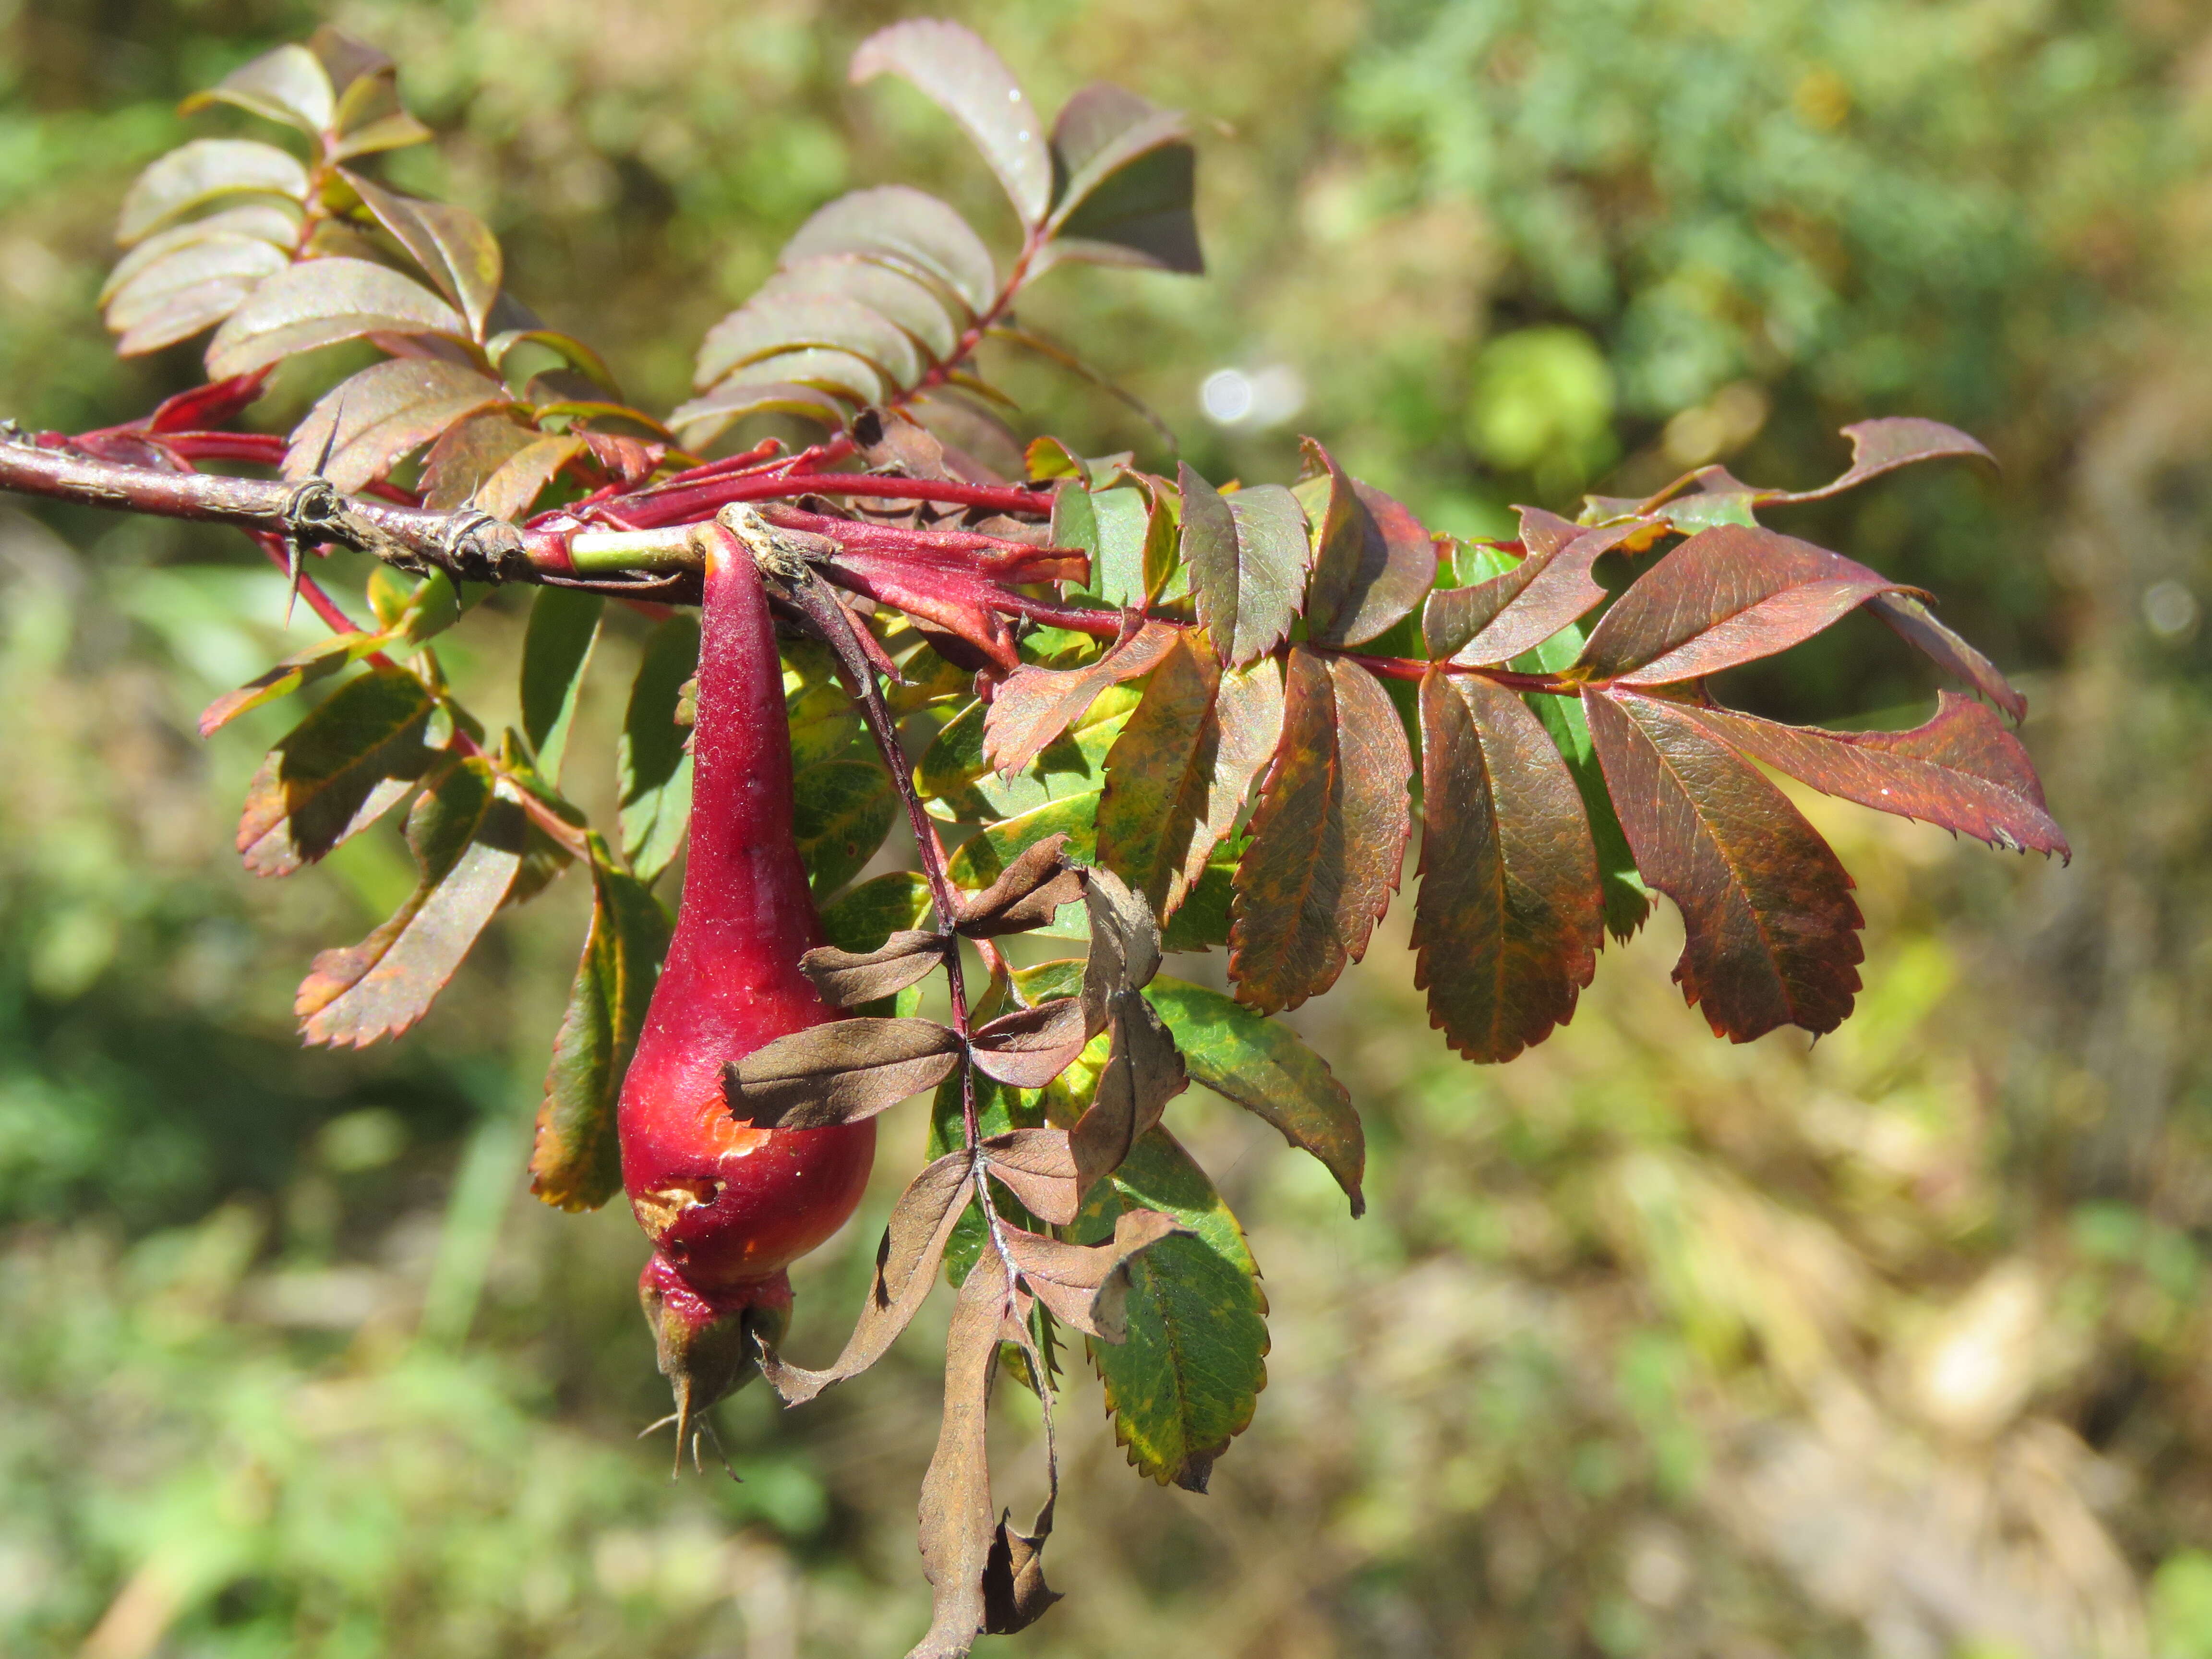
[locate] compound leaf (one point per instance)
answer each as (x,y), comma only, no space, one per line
(653,760)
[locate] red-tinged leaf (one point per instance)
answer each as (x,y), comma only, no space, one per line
(1883,446)
(1915,623)
(456,249)
(321,302)
(178,314)
(1248,555)
(204,406)
(1125,183)
(352,760)
(906,230)
(912,303)
(1087,1285)
(1033,706)
(703,419)
(318,661)
(1728,595)
(770,324)
(629,461)
(576,1163)
(494,462)
(368,422)
(1037,1166)
(1372,561)
(956,1530)
(289,85)
(1771,928)
(1509,921)
(906,1268)
(955,68)
(979,446)
(840,373)
(1962,770)
(1328,838)
(1177,775)
(467,832)
(838,1072)
(200,172)
(370,116)
(845,979)
(270,220)
(1028,1048)
(1496,621)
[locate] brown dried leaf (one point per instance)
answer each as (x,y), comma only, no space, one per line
(956,1532)
(1088,1285)
(1125,945)
(1143,1072)
(906,1268)
(1035,705)
(838,1072)
(1015,1594)
(1038,1167)
(1329,837)
(1027,894)
(848,978)
(1509,920)
(1028,1048)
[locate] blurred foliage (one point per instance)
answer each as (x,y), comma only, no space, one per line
(1648,1345)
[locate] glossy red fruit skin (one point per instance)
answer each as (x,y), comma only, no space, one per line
(727,1206)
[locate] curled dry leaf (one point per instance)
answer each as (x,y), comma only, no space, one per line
(957,1531)
(1028,893)
(838,1072)
(1028,1048)
(1327,837)
(1015,1594)
(1035,705)
(1087,1285)
(848,978)
(906,1268)
(1144,1071)
(1125,945)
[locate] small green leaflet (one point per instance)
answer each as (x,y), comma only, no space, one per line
(652,761)
(557,650)
(1188,1380)
(341,769)
(840,811)
(576,1162)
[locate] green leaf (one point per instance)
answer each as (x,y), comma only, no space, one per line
(1258,1062)
(557,649)
(318,661)
(467,832)
(576,1162)
(200,171)
(653,764)
(319,302)
(985,854)
(865,916)
(369,420)
(906,230)
(953,66)
(1247,555)
(1114,527)
(352,760)
(1125,183)
(840,811)
(823,721)
(1627,900)
(456,249)
(289,85)
(1188,1379)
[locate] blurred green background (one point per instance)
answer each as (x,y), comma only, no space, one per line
(1896,1345)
